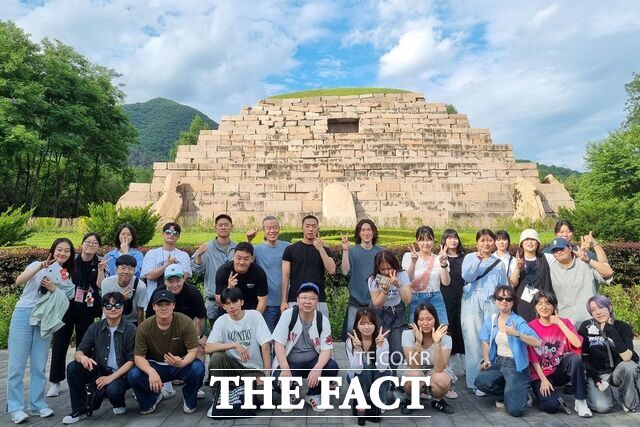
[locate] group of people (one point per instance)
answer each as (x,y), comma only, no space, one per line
(514,322)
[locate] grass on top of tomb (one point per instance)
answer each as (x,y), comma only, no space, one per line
(339,91)
(387,236)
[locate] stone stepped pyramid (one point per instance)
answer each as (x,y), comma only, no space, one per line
(401,159)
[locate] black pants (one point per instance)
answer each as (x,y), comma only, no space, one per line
(570,369)
(78,316)
(79,377)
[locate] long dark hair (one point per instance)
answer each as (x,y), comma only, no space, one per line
(389,258)
(132,229)
(68,264)
(450,232)
(431,309)
(371,316)
(374,229)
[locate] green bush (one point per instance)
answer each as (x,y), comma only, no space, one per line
(13,225)
(626,304)
(105,219)
(7,304)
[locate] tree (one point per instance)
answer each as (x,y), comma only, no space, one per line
(64,138)
(189,137)
(632,106)
(451,109)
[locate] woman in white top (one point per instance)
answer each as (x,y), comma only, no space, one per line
(25,341)
(368,353)
(503,241)
(427,348)
(426,272)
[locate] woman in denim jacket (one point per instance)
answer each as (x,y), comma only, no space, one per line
(505,367)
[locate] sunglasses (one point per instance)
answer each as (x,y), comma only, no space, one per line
(507,299)
(171,232)
(117,306)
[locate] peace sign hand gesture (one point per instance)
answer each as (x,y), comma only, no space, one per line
(414,254)
(47,262)
(233,280)
(519,260)
(357,344)
(345,242)
(381,336)
(510,329)
(443,255)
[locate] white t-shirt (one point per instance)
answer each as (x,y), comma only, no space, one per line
(509,262)
(30,293)
(158,257)
(110,284)
(409,339)
(251,331)
(421,267)
(393,298)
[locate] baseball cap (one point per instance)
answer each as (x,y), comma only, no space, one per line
(174,270)
(163,295)
(558,243)
(308,287)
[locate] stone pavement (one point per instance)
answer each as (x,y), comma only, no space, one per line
(469,411)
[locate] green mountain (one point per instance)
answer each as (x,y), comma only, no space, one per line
(560,173)
(159,122)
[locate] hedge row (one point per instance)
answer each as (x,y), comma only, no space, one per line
(624,258)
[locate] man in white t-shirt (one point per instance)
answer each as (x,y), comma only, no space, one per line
(133,289)
(156,260)
(239,339)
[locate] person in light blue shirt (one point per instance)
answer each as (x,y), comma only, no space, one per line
(126,243)
(505,364)
(268,255)
(482,272)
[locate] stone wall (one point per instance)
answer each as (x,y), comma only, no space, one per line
(409,162)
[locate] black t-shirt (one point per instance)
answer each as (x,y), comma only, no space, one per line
(188,302)
(618,337)
(306,266)
(253,283)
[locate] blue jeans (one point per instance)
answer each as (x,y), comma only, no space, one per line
(434,298)
(25,343)
(303,369)
(366,378)
(271,316)
(475,309)
(506,384)
(192,375)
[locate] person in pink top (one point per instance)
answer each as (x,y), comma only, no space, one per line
(557,361)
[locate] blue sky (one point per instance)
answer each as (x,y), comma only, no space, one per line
(544,76)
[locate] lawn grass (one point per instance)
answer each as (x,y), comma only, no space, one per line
(339,91)
(389,237)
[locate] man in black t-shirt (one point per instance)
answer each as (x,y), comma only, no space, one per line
(306,261)
(244,274)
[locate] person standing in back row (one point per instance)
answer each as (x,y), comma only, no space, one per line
(208,259)
(306,261)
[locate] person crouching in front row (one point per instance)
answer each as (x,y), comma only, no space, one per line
(101,364)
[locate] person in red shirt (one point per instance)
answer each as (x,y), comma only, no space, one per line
(557,361)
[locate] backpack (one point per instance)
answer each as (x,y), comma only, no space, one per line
(128,304)
(295,315)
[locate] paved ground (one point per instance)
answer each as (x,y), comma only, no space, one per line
(469,411)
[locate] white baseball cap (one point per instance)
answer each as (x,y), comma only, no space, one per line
(529,233)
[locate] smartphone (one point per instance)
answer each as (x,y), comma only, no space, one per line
(383,280)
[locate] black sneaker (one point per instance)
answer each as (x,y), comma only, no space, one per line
(441,406)
(74,417)
(404,410)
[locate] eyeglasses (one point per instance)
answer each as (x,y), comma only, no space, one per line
(310,299)
(109,306)
(507,299)
(171,232)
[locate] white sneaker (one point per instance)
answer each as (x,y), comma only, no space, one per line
(200,394)
(19,416)
(479,393)
(186,409)
(74,417)
(119,411)
(45,412)
(292,401)
(153,408)
(582,409)
(54,390)
(167,394)
(499,405)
